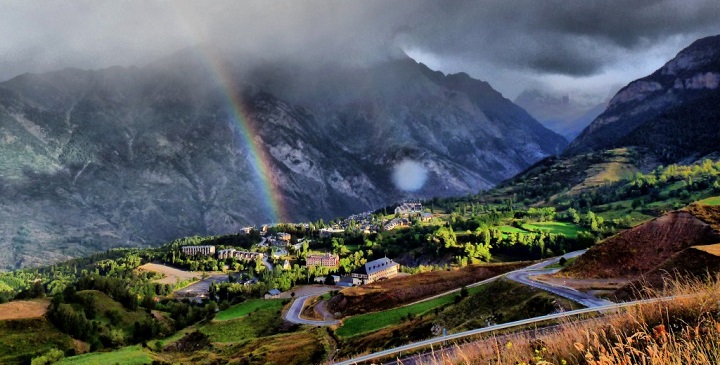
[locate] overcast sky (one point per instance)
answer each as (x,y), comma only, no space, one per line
(585,48)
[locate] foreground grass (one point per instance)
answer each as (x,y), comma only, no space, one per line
(247,307)
(132,355)
(374,321)
(683,331)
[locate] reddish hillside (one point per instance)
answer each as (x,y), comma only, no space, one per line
(407,289)
(643,248)
(694,262)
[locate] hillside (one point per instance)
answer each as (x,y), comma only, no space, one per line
(404,290)
(694,263)
(639,250)
(135,156)
(671,112)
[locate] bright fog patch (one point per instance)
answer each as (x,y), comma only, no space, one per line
(409,175)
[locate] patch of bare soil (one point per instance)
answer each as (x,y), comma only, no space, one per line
(636,251)
(172,275)
(403,290)
(23,309)
(693,263)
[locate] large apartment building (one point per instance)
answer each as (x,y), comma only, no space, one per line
(239,255)
(327,260)
(383,268)
(198,250)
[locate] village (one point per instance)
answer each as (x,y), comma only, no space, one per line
(283,251)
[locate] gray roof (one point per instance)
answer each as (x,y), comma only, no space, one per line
(376,265)
(274,292)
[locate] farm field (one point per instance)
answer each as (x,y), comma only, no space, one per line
(172,275)
(264,321)
(23,309)
(567,229)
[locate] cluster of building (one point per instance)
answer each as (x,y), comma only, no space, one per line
(222,254)
(408,208)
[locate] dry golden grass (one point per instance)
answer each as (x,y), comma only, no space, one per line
(682,331)
(22,309)
(711,249)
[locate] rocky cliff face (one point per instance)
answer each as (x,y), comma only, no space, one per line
(673,112)
(135,156)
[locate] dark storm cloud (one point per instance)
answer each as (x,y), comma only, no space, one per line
(493,40)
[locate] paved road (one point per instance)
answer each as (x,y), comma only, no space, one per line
(524,276)
(439,340)
(293,314)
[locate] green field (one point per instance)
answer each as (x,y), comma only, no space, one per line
(374,321)
(711,201)
(249,306)
(510,229)
(264,321)
(133,355)
(567,229)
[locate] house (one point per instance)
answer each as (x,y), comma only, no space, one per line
(198,250)
(272,294)
(320,279)
(286,265)
(397,222)
(246,230)
(278,252)
(372,271)
(327,260)
(282,236)
(405,209)
(426,217)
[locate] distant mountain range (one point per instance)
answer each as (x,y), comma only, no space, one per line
(132,156)
(560,113)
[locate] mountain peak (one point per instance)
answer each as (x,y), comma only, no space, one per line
(672,111)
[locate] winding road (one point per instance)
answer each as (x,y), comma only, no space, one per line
(293,314)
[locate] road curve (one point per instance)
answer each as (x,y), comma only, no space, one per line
(293,314)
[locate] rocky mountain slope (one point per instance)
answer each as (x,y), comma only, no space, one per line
(672,112)
(135,156)
(670,116)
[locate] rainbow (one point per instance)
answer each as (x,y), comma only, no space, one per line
(244,127)
(241,120)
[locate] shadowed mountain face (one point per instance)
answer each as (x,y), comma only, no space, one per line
(134,156)
(673,112)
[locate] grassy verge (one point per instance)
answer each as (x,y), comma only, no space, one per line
(374,321)
(247,307)
(132,355)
